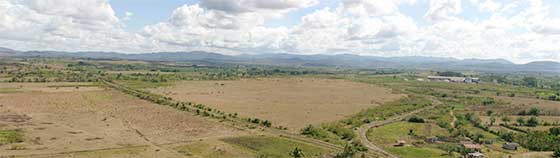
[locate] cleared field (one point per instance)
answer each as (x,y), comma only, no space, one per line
(95,123)
(552,107)
(289,102)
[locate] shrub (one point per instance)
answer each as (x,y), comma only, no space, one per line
(314,132)
(534,112)
(554,131)
(416,119)
(532,122)
(556,152)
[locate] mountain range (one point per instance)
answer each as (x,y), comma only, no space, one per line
(341,60)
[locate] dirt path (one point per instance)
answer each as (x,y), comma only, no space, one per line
(362,131)
(454,118)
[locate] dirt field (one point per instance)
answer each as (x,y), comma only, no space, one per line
(95,123)
(290,102)
(551,106)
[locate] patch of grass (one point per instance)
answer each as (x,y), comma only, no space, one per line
(132,151)
(10,90)
(389,109)
(138,84)
(213,150)
(10,136)
(391,133)
(415,152)
(273,147)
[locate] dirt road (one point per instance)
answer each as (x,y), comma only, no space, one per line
(362,131)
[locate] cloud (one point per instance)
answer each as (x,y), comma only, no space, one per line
(61,25)
(548,27)
(244,6)
(441,10)
(520,31)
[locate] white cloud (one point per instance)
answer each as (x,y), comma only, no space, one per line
(440,10)
(518,31)
(272,7)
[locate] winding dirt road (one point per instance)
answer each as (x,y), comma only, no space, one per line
(362,131)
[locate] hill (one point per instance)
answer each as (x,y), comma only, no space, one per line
(341,60)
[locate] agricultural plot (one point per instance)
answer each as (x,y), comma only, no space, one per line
(49,120)
(287,102)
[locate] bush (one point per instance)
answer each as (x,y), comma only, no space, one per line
(416,119)
(554,131)
(556,152)
(314,132)
(534,112)
(532,122)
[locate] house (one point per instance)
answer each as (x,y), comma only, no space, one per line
(470,146)
(475,155)
(454,79)
(400,143)
(488,141)
(510,146)
(432,139)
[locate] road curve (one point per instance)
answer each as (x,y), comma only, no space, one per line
(362,131)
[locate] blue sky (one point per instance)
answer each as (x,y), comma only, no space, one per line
(516,30)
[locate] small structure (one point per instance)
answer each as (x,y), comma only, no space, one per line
(432,139)
(400,143)
(470,146)
(510,146)
(475,155)
(454,79)
(488,141)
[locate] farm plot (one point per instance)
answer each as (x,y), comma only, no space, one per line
(94,123)
(287,102)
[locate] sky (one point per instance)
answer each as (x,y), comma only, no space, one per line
(517,30)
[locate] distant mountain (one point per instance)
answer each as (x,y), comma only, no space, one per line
(341,60)
(6,51)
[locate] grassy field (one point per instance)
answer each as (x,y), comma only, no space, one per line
(273,147)
(10,136)
(416,152)
(388,135)
(214,149)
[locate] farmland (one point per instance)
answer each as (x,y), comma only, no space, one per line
(89,108)
(276,99)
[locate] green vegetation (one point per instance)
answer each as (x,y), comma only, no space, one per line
(415,152)
(274,147)
(10,136)
(387,110)
(213,149)
(391,133)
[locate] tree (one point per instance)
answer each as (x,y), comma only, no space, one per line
(520,121)
(506,119)
(416,119)
(556,152)
(533,111)
(492,120)
(530,81)
(297,153)
(348,152)
(489,112)
(532,122)
(449,149)
(554,131)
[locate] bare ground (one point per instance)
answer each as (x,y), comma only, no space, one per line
(97,123)
(289,102)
